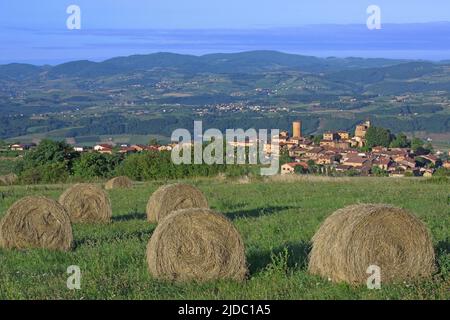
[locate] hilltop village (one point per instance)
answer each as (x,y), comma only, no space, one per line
(331,153)
(340,152)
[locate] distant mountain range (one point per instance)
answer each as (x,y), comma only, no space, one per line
(244,62)
(157,93)
(428,41)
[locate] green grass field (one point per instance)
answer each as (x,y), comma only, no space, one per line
(6,166)
(276,219)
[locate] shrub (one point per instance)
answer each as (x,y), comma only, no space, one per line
(47,173)
(442,172)
(96,165)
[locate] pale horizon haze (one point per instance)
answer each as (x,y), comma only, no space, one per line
(36,32)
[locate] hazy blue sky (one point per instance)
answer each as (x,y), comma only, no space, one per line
(34,31)
(216,13)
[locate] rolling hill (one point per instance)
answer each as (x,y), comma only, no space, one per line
(155,93)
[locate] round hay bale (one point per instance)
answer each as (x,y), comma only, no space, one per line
(119,183)
(36,222)
(196,245)
(9,179)
(87,203)
(358,236)
(174,197)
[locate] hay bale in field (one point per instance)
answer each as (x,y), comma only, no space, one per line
(36,222)
(9,179)
(196,245)
(358,236)
(174,197)
(87,203)
(119,183)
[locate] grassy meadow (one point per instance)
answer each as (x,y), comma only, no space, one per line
(276,218)
(6,166)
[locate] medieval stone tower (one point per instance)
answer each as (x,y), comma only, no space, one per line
(297,129)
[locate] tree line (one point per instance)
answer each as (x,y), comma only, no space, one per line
(57,162)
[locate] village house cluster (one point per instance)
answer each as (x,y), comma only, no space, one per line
(105,148)
(22,146)
(336,152)
(339,152)
(124,148)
